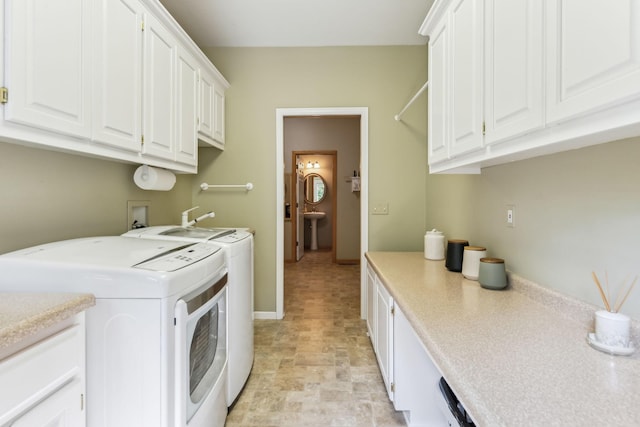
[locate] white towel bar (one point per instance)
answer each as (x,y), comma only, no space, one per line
(248,186)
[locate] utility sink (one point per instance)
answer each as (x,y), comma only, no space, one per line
(198,233)
(314,217)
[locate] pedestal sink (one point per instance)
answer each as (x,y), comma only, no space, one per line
(313,217)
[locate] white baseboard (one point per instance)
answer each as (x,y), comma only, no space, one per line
(265,315)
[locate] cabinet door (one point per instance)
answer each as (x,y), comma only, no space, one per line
(218,114)
(159,99)
(593,55)
(187,109)
(371,305)
(513,68)
(465,29)
(206,118)
(64,408)
(117,119)
(384,336)
(48,65)
(438,94)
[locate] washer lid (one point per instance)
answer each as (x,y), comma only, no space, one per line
(113,251)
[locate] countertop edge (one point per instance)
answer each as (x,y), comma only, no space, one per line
(13,332)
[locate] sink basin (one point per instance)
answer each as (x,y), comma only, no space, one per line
(314,215)
(197,233)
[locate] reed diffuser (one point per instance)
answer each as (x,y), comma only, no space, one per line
(605,296)
(612,329)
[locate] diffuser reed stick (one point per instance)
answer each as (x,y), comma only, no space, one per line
(605,296)
(605,300)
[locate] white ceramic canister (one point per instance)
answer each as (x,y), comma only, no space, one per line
(434,245)
(471,261)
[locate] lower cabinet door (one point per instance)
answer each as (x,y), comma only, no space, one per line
(371,305)
(64,408)
(384,336)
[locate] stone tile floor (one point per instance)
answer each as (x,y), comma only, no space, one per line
(316,367)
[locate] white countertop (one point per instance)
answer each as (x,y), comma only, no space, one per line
(23,315)
(515,357)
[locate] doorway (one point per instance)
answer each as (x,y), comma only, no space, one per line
(313,169)
(281,114)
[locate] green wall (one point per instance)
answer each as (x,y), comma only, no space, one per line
(48,196)
(264,79)
(576,212)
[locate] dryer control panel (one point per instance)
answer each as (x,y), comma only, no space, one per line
(179,258)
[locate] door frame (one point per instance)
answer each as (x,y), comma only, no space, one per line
(281,113)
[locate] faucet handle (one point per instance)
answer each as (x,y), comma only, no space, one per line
(189,210)
(185,216)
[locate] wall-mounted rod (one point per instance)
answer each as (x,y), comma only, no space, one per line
(411,101)
(248,186)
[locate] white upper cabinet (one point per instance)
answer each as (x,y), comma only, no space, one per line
(455,87)
(117,119)
(159,99)
(48,65)
(211,110)
(465,21)
(539,77)
(593,55)
(513,101)
(116,79)
(187,111)
(438,93)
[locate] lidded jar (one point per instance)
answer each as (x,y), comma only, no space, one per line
(492,273)
(434,245)
(471,261)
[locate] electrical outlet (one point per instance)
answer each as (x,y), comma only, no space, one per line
(510,216)
(381,209)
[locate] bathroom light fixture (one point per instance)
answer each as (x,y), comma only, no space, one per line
(316,165)
(309,165)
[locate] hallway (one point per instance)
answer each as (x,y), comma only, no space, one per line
(316,367)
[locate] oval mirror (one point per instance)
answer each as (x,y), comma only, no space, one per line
(314,188)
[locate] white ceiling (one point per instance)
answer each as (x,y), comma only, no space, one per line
(288,23)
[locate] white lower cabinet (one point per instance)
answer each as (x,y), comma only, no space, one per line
(44,383)
(384,336)
(415,377)
(409,374)
(371,304)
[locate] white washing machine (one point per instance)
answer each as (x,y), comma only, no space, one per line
(237,245)
(157,336)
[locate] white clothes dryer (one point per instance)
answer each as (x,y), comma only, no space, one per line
(157,336)
(237,244)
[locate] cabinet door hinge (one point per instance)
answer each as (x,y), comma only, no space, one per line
(141,25)
(4,95)
(483,129)
(393,310)
(393,387)
(142,139)
(81,401)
